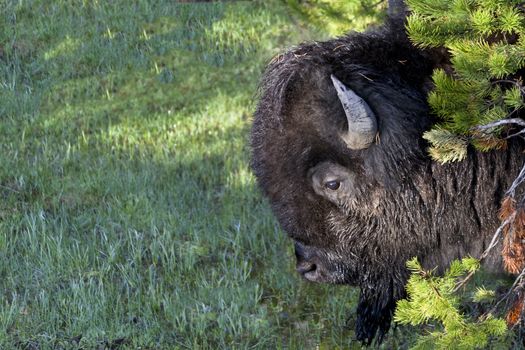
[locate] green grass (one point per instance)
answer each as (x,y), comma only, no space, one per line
(337,17)
(129,217)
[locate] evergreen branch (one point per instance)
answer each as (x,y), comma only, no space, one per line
(495,124)
(506,296)
(516,83)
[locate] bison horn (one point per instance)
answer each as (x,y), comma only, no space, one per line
(362,123)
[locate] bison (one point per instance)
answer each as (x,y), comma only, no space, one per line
(337,149)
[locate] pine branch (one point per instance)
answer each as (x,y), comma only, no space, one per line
(495,124)
(517,282)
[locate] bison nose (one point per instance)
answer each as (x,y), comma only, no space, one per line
(300,251)
(304,263)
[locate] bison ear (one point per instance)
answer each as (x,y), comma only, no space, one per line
(362,123)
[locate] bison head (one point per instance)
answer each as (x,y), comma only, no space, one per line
(337,149)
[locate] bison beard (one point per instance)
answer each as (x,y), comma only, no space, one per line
(359,211)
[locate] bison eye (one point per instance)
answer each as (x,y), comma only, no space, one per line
(332,185)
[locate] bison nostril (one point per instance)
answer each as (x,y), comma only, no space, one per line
(304,267)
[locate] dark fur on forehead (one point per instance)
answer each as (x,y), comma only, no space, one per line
(378,65)
(393,56)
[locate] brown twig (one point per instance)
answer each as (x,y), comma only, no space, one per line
(522,131)
(506,296)
(517,181)
(516,83)
(495,239)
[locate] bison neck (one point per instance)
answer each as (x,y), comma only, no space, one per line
(463,201)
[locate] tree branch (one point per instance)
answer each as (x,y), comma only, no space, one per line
(517,181)
(501,122)
(494,242)
(506,296)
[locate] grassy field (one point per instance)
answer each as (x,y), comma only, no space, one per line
(129,217)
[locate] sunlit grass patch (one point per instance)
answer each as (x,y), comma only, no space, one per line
(338,17)
(65,46)
(129,216)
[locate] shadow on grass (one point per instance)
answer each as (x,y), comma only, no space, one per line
(128,209)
